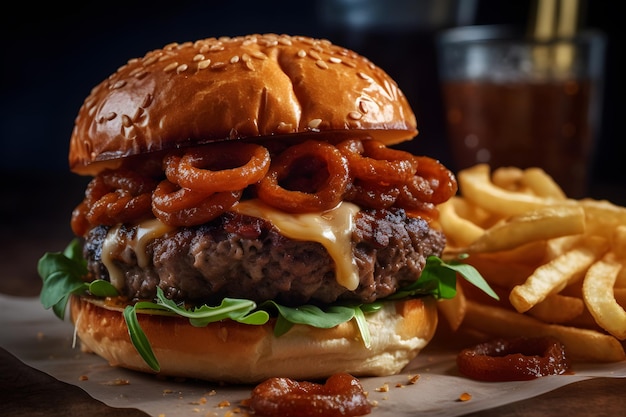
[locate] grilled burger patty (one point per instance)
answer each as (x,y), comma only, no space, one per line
(246,257)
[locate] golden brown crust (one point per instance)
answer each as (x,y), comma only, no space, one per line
(231,88)
(231,352)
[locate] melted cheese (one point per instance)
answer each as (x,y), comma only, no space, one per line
(332,228)
(115,242)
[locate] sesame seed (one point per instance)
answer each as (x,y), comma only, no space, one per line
(218,65)
(321,64)
(245,57)
(109,116)
(204,64)
(181,68)
(126,121)
(198,57)
(150,60)
(355,115)
(234,59)
(216,47)
(147,100)
(349,64)
(315,123)
(313,54)
(301,53)
(170,46)
(363,107)
(284,40)
(134,71)
(334,60)
(258,55)
(363,75)
(141,75)
(118,84)
(138,114)
(249,65)
(171,67)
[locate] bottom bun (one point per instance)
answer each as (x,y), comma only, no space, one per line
(228,351)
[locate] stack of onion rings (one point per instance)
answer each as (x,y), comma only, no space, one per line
(203,182)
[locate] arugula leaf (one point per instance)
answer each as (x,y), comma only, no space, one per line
(139,339)
(62,275)
(231,308)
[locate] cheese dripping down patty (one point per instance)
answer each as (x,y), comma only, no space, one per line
(332,228)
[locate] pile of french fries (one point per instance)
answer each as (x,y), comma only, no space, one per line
(557,264)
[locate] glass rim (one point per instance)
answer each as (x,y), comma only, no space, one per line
(507,33)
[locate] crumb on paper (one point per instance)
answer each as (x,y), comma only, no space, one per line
(465,397)
(223,404)
(383,388)
(83,378)
(117,381)
(413,379)
(200,401)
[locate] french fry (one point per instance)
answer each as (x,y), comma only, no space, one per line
(509,178)
(600,299)
(504,274)
(618,242)
(453,309)
(477,187)
(582,345)
(462,232)
(557,308)
(620,296)
(553,276)
(602,217)
(559,245)
(542,184)
(532,253)
(538,224)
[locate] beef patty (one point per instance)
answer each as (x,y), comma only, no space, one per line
(240,256)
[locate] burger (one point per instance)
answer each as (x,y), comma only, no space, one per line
(247,216)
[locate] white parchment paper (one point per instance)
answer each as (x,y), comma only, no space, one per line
(44,342)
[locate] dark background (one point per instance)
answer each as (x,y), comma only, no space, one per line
(54,54)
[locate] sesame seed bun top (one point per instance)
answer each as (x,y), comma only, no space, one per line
(234,88)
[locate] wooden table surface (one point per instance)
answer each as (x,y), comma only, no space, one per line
(35,219)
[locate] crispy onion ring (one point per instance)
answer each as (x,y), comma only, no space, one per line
(341,395)
(192,171)
(322,194)
(371,160)
(517,359)
(371,194)
(432,182)
(177,206)
(120,196)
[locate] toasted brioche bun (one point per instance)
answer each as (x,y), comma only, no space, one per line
(228,351)
(236,88)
